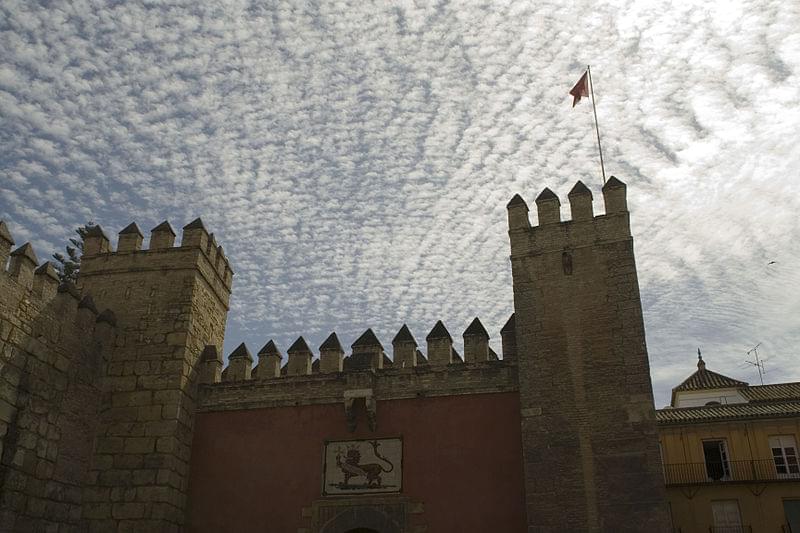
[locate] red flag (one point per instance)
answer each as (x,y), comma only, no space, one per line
(581,89)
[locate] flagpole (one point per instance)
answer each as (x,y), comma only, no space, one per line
(596,127)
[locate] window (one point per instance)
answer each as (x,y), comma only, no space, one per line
(716,456)
(791,508)
(726,516)
(784,454)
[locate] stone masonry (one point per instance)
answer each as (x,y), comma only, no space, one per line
(97,408)
(52,346)
(588,424)
(96,419)
(171,302)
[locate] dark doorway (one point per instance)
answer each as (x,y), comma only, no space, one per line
(362,530)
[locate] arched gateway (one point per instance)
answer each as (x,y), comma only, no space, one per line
(361,520)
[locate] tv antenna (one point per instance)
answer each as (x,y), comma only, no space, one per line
(758,363)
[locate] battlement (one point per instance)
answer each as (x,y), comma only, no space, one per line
(38,284)
(584,229)
(24,268)
(198,250)
(54,344)
(389,383)
(367,355)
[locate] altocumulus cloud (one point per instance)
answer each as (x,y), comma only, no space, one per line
(355,160)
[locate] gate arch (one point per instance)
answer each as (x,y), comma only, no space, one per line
(361,520)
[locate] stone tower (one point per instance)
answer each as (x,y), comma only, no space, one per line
(170,303)
(590,448)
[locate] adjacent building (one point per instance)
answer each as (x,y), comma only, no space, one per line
(729,452)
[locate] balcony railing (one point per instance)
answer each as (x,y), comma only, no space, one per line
(730,471)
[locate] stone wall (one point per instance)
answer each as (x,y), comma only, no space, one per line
(52,346)
(588,422)
(385,384)
(98,410)
(171,302)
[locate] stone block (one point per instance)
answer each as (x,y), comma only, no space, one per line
(96,494)
(128,461)
(114,478)
(144,477)
(131,399)
(162,494)
(139,445)
(7,411)
(127,510)
(96,510)
(109,445)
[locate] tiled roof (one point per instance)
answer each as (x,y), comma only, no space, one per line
(778,391)
(706,379)
(714,413)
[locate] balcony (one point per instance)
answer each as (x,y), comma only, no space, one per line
(727,472)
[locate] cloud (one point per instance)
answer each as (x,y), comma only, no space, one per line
(355,161)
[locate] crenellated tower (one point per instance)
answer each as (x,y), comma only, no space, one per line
(588,423)
(53,344)
(171,305)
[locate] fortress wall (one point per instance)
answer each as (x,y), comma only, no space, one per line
(52,345)
(588,422)
(127,421)
(260,469)
(171,302)
(385,384)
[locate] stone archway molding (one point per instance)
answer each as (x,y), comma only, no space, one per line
(361,517)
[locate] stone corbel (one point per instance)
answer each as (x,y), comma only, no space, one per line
(350,396)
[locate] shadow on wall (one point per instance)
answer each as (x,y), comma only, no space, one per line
(51,345)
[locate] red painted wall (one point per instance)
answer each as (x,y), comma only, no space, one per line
(254,470)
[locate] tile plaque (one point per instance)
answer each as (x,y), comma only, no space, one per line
(362,466)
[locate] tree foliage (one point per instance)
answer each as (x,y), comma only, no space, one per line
(68,266)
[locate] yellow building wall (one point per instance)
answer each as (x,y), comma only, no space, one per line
(760,504)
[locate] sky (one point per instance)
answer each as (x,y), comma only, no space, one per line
(355,158)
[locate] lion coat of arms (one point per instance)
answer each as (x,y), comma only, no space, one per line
(362,466)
